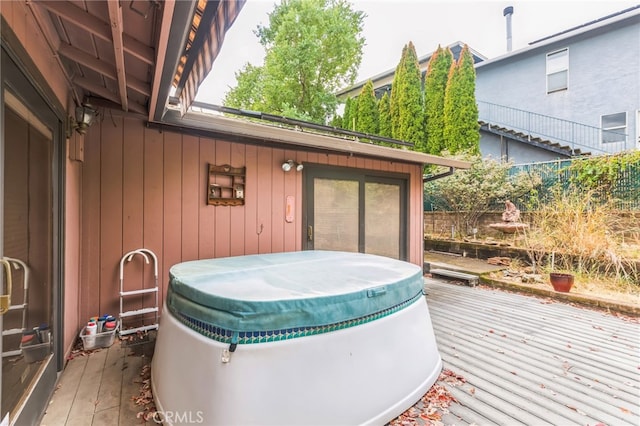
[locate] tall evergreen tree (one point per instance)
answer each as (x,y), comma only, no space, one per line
(384,112)
(435,85)
(349,114)
(407,118)
(461,128)
(367,119)
(398,79)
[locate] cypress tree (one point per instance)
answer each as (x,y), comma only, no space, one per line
(398,79)
(384,112)
(407,122)
(435,85)
(349,114)
(461,128)
(367,118)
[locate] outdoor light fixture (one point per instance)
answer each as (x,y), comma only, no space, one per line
(85,114)
(290,164)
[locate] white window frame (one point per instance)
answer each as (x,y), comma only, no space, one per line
(623,128)
(555,70)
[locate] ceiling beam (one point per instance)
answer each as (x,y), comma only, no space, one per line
(102,67)
(115,19)
(54,42)
(96,26)
(163,41)
(107,94)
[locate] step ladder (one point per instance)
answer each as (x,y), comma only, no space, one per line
(144,311)
(8,262)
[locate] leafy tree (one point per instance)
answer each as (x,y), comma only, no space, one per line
(367,119)
(349,114)
(435,85)
(407,107)
(461,128)
(384,112)
(249,91)
(313,48)
(471,193)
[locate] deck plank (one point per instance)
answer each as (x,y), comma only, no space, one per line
(111,384)
(60,405)
(86,398)
(132,366)
(533,360)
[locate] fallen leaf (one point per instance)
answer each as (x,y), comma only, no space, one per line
(624,410)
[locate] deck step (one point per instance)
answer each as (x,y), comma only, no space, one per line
(446,273)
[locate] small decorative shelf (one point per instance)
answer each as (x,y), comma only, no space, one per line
(226,185)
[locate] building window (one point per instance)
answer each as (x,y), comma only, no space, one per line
(614,127)
(557,70)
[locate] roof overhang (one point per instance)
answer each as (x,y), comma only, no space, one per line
(272,135)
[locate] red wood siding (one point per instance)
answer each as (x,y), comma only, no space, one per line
(146,188)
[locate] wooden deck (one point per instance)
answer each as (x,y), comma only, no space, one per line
(526,360)
(535,361)
(97,390)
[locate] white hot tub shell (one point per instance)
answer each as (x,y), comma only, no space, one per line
(302,338)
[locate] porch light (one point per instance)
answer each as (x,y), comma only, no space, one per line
(85,114)
(290,164)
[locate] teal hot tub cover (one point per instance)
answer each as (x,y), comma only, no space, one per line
(259,298)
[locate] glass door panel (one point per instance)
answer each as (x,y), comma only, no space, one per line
(382,219)
(27,239)
(336,215)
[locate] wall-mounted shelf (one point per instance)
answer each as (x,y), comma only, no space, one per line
(226,185)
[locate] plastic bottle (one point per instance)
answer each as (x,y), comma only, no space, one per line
(90,332)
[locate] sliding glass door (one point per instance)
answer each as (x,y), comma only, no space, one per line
(28,283)
(356,211)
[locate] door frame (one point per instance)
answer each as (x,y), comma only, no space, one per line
(312,171)
(21,77)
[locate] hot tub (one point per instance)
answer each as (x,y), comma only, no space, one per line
(311,337)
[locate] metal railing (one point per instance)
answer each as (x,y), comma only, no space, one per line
(533,125)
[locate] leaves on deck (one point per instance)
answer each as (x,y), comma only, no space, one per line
(144,399)
(431,407)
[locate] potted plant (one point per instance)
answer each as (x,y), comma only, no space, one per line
(561,281)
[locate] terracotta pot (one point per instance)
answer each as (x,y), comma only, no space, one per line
(561,282)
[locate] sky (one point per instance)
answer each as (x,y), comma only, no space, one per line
(390,24)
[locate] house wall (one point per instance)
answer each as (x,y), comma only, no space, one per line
(491,145)
(147,188)
(72,251)
(603,79)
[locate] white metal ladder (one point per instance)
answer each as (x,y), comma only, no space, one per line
(17,264)
(144,311)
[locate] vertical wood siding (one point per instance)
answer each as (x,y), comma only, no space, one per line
(147,188)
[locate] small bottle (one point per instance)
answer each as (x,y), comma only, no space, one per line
(90,332)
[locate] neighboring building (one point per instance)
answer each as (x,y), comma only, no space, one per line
(72,204)
(568,94)
(573,92)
